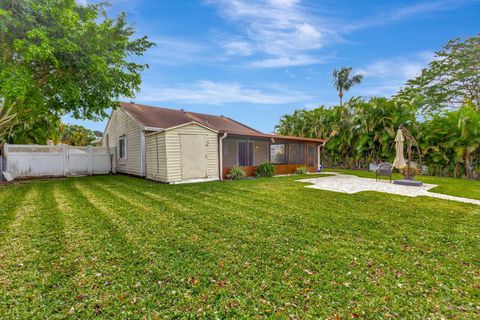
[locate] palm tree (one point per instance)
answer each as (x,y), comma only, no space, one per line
(343,81)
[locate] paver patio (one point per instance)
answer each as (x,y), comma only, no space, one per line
(352,184)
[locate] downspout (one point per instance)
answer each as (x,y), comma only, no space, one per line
(319,165)
(143,155)
(220,157)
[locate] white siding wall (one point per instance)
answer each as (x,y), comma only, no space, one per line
(170,156)
(174,149)
(120,124)
(156,157)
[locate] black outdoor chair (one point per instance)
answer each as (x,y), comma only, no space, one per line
(384,169)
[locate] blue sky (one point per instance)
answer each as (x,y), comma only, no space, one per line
(255,60)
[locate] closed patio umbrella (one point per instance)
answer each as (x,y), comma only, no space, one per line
(399,161)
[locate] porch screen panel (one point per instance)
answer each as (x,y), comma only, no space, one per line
(311,155)
(230,152)
(260,152)
(278,153)
(297,153)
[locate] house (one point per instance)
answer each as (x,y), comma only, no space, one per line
(172,146)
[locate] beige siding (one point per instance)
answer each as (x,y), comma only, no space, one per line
(120,124)
(156,157)
(174,149)
(170,153)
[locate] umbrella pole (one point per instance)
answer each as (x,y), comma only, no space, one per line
(409,152)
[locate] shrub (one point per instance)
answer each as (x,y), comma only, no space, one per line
(264,170)
(237,173)
(301,170)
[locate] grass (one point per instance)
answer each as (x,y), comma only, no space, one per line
(122,247)
(451,186)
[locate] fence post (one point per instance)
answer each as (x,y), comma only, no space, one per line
(90,160)
(65,160)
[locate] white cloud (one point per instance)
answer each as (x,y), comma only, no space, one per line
(405,12)
(385,77)
(292,61)
(283,30)
(237,47)
(216,93)
(402,68)
(174,51)
(426,7)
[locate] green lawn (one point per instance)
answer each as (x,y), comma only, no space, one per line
(121,247)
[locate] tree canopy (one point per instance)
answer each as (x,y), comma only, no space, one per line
(76,135)
(59,57)
(451,79)
(363,131)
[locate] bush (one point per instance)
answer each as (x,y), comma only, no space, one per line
(237,173)
(301,170)
(265,170)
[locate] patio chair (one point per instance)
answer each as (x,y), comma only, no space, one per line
(384,169)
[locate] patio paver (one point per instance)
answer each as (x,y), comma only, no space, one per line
(352,184)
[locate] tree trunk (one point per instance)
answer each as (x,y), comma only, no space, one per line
(340,95)
(468,165)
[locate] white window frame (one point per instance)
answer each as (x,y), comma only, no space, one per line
(125,151)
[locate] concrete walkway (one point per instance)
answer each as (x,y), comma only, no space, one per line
(352,184)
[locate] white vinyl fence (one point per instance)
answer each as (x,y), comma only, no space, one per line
(23,161)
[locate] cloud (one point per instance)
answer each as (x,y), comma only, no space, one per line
(238,47)
(385,77)
(405,67)
(292,61)
(217,93)
(280,30)
(174,51)
(426,7)
(406,12)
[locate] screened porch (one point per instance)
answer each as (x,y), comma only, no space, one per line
(286,154)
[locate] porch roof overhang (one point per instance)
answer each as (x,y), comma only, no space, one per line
(274,136)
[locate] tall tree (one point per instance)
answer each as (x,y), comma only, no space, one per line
(76,135)
(451,79)
(59,57)
(6,121)
(343,80)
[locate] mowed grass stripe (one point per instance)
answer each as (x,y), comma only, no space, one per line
(265,261)
(159,215)
(184,263)
(187,201)
(10,199)
(209,217)
(204,243)
(15,278)
(363,211)
(36,246)
(166,267)
(114,265)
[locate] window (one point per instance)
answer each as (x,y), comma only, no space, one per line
(122,148)
(278,153)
